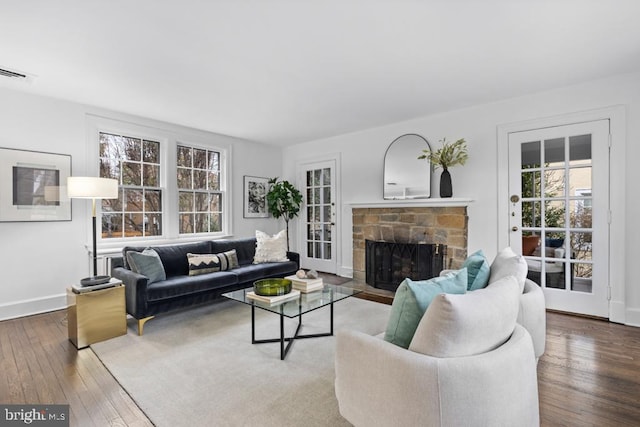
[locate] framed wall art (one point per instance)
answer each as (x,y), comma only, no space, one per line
(33,186)
(255,197)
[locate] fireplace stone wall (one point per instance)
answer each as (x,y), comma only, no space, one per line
(424,224)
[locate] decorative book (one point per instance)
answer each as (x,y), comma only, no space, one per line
(294,294)
(306,285)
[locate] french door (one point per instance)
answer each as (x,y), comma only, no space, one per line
(559,212)
(319,248)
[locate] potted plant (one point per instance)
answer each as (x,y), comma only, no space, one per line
(449,155)
(283,200)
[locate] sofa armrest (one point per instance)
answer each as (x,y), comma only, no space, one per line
(533,316)
(135,288)
(295,257)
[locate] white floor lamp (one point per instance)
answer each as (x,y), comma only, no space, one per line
(94,188)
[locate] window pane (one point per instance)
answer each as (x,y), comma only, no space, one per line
(216,203)
(202,223)
(151,175)
(554,152)
(531,184)
(184,156)
(326,176)
(216,222)
(214,161)
(554,183)
(133,224)
(184,179)
(112,225)
(554,214)
(214,181)
(199,158)
(113,205)
(152,201)
(133,200)
(580,150)
(154,225)
(199,180)
(110,169)
(186,201)
(131,174)
(326,194)
(151,152)
(186,223)
(201,202)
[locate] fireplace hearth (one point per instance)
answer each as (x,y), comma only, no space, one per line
(389,263)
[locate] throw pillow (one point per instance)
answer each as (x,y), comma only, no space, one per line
(477,270)
(203,263)
(228,260)
(508,263)
(148,264)
(270,248)
(465,325)
(412,300)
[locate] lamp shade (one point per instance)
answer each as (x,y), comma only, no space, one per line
(91,187)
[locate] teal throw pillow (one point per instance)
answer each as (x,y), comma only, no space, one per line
(148,264)
(478,271)
(412,300)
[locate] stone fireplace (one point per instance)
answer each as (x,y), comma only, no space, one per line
(406,223)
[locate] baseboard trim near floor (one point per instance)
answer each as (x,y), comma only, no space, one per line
(32,306)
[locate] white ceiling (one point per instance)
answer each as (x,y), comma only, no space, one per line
(284,72)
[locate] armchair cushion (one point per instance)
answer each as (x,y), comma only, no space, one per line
(465,325)
(411,301)
(508,263)
(477,271)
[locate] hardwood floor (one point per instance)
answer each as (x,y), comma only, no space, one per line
(589,375)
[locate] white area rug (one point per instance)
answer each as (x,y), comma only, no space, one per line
(198,367)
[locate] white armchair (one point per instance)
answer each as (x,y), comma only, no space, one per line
(469,364)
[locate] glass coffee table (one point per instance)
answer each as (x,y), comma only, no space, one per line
(294,308)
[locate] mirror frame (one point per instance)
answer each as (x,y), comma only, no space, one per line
(429,170)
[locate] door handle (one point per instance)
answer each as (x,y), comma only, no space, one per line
(514,228)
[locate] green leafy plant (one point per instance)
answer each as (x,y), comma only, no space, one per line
(283,200)
(450,154)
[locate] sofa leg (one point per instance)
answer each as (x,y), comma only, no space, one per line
(141,323)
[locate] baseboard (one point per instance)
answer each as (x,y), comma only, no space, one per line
(632,317)
(617,312)
(32,306)
(345,272)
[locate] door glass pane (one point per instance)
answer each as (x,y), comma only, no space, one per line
(580,150)
(554,183)
(327,251)
(531,214)
(530,153)
(581,211)
(554,152)
(581,277)
(580,181)
(531,184)
(326,176)
(554,212)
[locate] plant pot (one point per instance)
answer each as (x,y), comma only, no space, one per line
(446,189)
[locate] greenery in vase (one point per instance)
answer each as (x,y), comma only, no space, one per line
(450,154)
(283,200)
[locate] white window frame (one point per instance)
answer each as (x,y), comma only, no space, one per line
(169,137)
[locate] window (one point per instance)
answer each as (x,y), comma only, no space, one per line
(135,163)
(199,190)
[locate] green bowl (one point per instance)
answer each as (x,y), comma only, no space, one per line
(272,287)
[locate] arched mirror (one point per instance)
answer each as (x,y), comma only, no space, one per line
(406,177)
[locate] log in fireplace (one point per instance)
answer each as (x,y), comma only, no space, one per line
(387,264)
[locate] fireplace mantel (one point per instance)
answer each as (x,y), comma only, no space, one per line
(413,203)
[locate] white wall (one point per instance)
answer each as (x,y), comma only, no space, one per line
(362,155)
(39,260)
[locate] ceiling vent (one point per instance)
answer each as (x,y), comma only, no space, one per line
(16,75)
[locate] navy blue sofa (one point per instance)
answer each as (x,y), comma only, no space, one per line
(179,290)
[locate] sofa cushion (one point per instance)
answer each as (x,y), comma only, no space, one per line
(508,263)
(245,248)
(186,285)
(174,257)
(477,271)
(270,248)
(411,301)
(148,264)
(469,324)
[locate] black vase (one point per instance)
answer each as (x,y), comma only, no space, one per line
(445,184)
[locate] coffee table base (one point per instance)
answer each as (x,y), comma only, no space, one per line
(284,350)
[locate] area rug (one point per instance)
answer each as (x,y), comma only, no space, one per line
(198,366)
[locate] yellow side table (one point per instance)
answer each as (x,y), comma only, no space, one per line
(96,315)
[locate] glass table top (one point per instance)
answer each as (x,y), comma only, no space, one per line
(303,304)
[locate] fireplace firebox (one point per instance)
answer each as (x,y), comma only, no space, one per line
(387,264)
